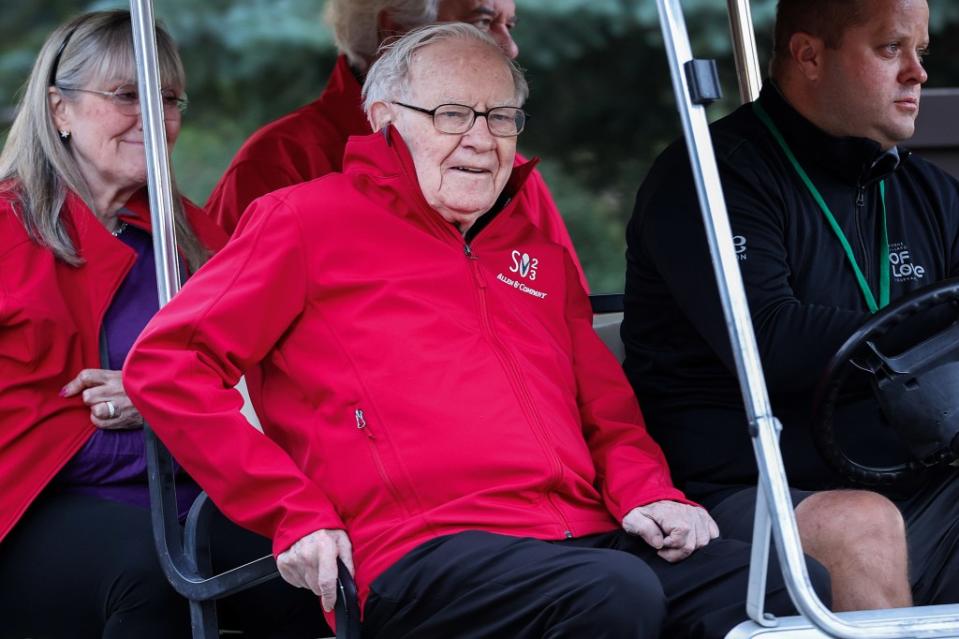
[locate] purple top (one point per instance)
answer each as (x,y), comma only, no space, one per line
(112,463)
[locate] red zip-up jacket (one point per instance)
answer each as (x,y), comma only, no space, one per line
(412,385)
(309,142)
(50,317)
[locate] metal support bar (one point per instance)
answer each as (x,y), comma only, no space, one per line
(180,567)
(744,50)
(719,234)
(759,563)
(159,181)
(178,560)
(763,426)
(203,619)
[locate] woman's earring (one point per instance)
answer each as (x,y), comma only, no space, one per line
(64,134)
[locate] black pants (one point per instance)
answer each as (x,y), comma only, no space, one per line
(479,584)
(79,567)
(931,512)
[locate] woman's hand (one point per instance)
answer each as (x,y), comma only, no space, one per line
(102,391)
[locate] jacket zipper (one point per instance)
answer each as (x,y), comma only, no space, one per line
(363,426)
(519,388)
(863,245)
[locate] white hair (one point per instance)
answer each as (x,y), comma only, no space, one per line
(356,29)
(389,76)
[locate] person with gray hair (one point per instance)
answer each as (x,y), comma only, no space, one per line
(77,284)
(388,80)
(309,142)
(440,415)
(360,26)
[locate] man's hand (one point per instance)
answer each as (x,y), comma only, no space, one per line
(675,530)
(311,563)
(102,390)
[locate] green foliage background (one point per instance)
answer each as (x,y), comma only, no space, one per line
(601,97)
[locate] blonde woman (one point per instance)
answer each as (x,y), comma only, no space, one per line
(77,284)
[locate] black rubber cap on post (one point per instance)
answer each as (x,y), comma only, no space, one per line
(703,79)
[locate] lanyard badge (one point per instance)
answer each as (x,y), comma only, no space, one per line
(831,219)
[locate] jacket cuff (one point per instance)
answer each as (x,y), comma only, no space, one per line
(298,527)
(624,507)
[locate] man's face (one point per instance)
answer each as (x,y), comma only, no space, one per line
(870,85)
(460,175)
(496,17)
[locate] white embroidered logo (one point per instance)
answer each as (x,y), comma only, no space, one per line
(524,265)
(900,260)
(739,243)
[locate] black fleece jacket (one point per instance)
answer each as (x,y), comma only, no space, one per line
(803,295)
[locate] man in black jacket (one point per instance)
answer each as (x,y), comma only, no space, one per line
(821,142)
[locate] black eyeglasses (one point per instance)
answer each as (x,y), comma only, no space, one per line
(126,99)
(503,122)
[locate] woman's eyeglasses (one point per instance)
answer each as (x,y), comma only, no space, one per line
(126,99)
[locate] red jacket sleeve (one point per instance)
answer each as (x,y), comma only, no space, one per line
(181,372)
(631,468)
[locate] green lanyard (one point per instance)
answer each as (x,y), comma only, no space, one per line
(883,249)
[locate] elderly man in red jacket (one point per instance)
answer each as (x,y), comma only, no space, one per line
(437,409)
(309,142)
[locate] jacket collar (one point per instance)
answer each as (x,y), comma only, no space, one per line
(136,211)
(342,100)
(855,161)
(385,157)
(88,230)
(106,259)
(91,237)
(95,243)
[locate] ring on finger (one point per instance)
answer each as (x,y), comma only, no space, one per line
(113,412)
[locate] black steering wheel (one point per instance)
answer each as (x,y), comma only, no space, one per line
(917,388)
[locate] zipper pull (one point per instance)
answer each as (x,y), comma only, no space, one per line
(474,265)
(477,274)
(861,197)
(361,423)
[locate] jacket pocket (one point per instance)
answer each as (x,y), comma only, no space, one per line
(379,448)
